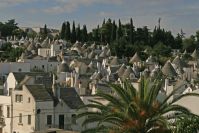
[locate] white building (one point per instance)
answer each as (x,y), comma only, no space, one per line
(45,52)
(5,114)
(7,67)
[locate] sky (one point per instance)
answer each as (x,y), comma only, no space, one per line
(175,14)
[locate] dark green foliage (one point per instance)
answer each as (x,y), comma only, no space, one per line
(63,31)
(125,39)
(131,35)
(187,124)
(161,50)
(7,28)
(84,34)
(68,31)
(45,30)
(10,53)
(73,33)
(113,33)
(78,33)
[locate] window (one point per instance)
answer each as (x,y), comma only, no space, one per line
(49,119)
(73,118)
(18,98)
(29,100)
(19,69)
(10,91)
(60,47)
(29,119)
(42,66)
(20,118)
(8,111)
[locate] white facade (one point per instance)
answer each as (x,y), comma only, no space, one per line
(55,49)
(41,65)
(45,52)
(7,67)
(5,114)
(28,107)
(10,84)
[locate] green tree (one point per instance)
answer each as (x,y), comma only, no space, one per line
(114,30)
(45,31)
(187,124)
(68,31)
(133,110)
(96,34)
(119,30)
(78,33)
(84,34)
(63,31)
(73,34)
(131,31)
(189,44)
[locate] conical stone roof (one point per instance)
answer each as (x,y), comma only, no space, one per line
(127,73)
(168,70)
(195,54)
(135,58)
(121,70)
(178,62)
(114,61)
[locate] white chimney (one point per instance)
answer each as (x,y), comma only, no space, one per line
(166,85)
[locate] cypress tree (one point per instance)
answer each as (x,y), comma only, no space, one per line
(78,33)
(73,34)
(63,31)
(114,30)
(131,31)
(45,30)
(119,30)
(67,31)
(84,34)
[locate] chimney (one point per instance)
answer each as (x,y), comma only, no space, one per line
(71,79)
(53,86)
(166,85)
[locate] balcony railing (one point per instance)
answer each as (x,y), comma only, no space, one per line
(65,126)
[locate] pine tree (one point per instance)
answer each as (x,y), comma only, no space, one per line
(78,33)
(63,31)
(84,34)
(73,34)
(68,32)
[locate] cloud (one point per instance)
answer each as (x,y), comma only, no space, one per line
(72,5)
(6,3)
(106,14)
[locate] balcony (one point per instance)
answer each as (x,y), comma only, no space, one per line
(64,127)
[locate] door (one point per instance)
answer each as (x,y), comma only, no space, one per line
(61,121)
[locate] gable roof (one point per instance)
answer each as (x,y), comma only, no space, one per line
(39,92)
(40,77)
(71,98)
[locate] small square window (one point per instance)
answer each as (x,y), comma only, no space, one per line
(29,100)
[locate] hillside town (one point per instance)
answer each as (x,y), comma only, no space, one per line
(44,88)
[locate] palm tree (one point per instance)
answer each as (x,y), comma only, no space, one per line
(132,110)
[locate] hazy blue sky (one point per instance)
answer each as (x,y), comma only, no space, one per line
(175,14)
